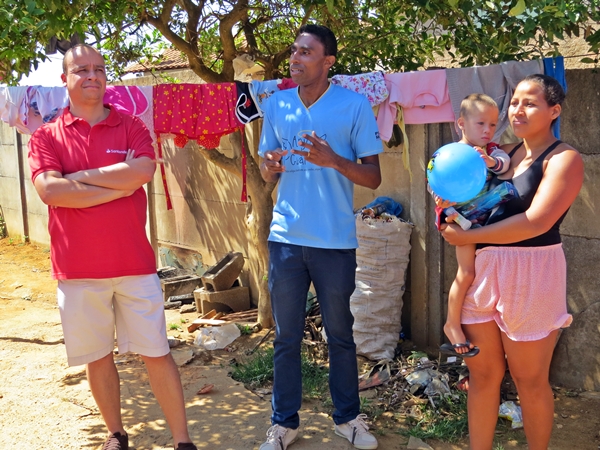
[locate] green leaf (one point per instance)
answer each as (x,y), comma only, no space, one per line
(518,9)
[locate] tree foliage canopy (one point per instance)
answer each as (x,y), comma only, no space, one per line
(373,34)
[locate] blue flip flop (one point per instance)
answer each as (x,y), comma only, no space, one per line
(449,349)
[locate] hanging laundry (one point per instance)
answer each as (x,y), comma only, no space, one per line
(497,80)
(127,99)
(148,115)
(555,67)
(405,144)
(242,63)
(423,96)
(13,107)
(245,109)
(48,102)
(286,83)
(202,112)
(371,85)
(261,91)
(45,105)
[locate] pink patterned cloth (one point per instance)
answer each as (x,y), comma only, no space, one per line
(371,85)
(522,289)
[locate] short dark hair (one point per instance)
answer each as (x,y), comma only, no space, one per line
(72,49)
(324,35)
(554,94)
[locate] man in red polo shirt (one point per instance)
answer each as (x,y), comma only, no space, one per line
(89,167)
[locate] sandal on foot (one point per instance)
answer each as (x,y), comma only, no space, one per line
(450,349)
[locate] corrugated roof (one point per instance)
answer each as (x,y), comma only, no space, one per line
(170,59)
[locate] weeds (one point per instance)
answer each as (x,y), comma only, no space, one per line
(19,241)
(448,423)
(315,378)
(370,408)
(257,371)
(245,329)
(173,326)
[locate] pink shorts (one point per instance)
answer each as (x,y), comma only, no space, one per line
(522,289)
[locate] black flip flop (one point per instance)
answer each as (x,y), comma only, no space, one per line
(449,349)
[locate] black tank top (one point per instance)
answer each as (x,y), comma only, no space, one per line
(527,184)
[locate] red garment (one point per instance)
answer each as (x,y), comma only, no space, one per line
(203,112)
(286,83)
(102,241)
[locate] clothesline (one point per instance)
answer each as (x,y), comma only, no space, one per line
(206,112)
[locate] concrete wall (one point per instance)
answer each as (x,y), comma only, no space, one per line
(25,214)
(208,220)
(577,357)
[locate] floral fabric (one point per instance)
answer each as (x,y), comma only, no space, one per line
(371,85)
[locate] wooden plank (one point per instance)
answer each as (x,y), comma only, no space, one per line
(209,315)
(211,322)
(198,323)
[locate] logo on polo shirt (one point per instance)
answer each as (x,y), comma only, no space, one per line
(124,152)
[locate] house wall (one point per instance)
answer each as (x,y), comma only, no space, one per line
(208,220)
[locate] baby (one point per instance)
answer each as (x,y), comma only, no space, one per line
(477,121)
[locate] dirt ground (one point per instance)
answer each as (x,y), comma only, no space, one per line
(44,404)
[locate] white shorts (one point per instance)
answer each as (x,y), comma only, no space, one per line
(91,308)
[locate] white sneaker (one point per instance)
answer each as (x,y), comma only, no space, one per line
(278,438)
(357,432)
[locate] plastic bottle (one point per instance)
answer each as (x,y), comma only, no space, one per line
(459,219)
(488,201)
(373,211)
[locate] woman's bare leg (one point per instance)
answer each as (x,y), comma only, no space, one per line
(486,372)
(529,364)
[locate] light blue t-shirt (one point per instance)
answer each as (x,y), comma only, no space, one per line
(314,205)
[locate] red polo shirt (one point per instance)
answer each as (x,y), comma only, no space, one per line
(102,241)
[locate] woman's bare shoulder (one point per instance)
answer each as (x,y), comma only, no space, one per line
(509,147)
(563,146)
(564,157)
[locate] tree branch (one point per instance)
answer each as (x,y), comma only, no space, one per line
(165,14)
(227,22)
(195,61)
(191,27)
(232,165)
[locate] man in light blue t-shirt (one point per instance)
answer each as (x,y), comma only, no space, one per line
(311,141)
